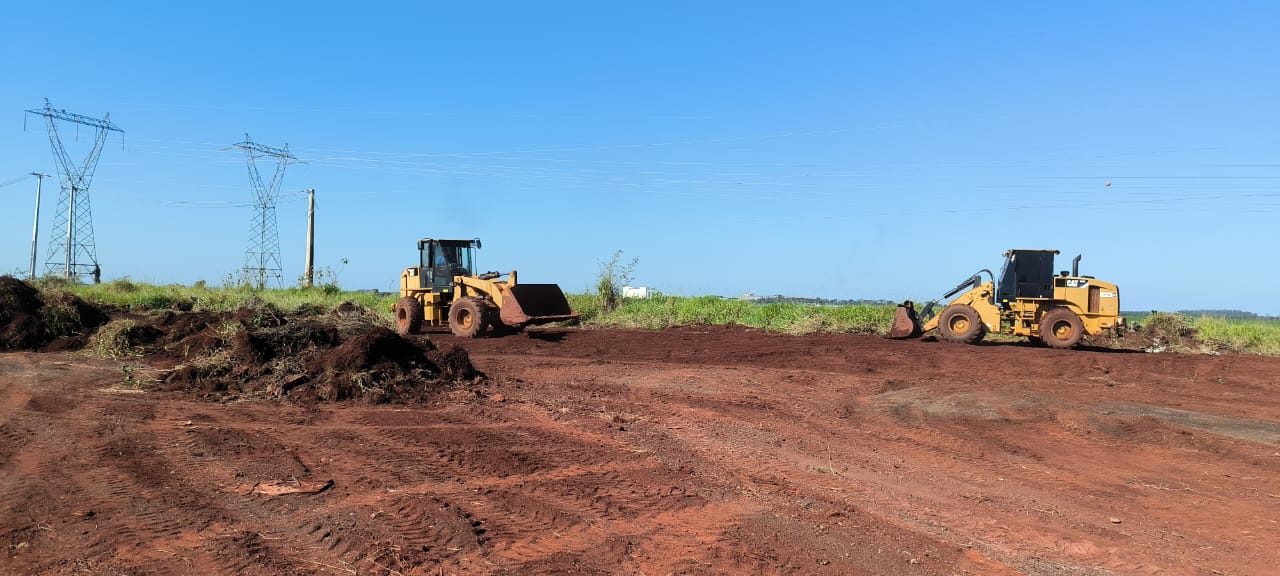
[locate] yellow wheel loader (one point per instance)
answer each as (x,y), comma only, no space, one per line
(444,289)
(1029,301)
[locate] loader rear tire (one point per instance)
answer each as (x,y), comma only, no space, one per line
(961,324)
(408,316)
(467,318)
(1060,328)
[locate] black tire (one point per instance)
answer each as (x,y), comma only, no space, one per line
(408,316)
(494,320)
(1060,328)
(467,318)
(961,324)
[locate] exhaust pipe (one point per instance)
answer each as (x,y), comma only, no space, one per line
(1075,266)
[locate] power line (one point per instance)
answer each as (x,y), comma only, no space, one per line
(758,181)
(22,178)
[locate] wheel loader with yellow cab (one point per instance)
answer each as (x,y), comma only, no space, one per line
(443,289)
(1028,301)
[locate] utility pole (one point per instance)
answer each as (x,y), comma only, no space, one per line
(35,228)
(308,276)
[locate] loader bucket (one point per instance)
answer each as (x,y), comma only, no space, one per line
(905,322)
(530,304)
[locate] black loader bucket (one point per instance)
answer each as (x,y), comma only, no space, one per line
(530,304)
(905,322)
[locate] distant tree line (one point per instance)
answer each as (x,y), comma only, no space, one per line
(1229,314)
(1232,314)
(779,299)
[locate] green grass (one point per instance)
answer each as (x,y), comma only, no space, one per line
(132,295)
(1211,333)
(665,311)
(1254,336)
(652,314)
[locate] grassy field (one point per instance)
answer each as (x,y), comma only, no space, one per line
(1210,333)
(126,294)
(1251,336)
(664,311)
(650,314)
(1177,332)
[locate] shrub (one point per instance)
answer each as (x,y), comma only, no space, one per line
(612,277)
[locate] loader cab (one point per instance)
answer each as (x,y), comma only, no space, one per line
(441,260)
(1026,274)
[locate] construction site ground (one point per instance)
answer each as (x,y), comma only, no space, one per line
(695,450)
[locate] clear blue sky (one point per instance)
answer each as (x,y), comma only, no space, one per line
(830,149)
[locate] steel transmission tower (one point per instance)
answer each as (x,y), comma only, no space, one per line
(73,253)
(262,256)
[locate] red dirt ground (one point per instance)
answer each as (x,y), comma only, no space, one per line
(691,451)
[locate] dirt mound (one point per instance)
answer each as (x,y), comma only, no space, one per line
(343,354)
(31,320)
(376,347)
(17,296)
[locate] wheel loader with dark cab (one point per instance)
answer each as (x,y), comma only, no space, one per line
(443,289)
(1028,301)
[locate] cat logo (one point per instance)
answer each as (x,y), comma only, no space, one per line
(1076,283)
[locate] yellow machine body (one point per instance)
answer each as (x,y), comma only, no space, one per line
(1032,302)
(1096,302)
(448,293)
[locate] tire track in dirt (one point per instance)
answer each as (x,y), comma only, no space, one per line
(429,523)
(945,439)
(136,502)
(35,478)
(533,491)
(1032,473)
(1029,472)
(14,436)
(710,425)
(151,503)
(233,449)
(716,451)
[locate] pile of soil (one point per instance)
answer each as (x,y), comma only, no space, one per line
(256,351)
(259,352)
(30,320)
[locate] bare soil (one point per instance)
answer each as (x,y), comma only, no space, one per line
(701,450)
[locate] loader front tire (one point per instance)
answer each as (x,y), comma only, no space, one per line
(467,318)
(1060,328)
(408,316)
(493,319)
(961,324)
